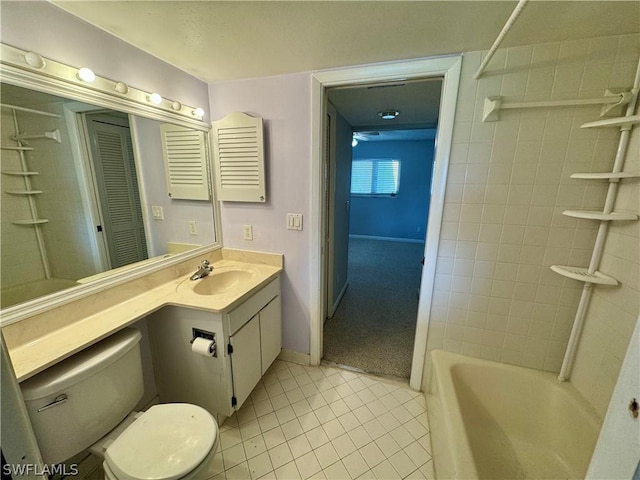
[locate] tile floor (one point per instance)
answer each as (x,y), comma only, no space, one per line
(327,423)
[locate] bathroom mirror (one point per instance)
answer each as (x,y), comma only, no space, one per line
(84,195)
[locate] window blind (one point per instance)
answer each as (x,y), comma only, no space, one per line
(375,177)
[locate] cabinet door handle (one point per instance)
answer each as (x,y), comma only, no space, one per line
(57,401)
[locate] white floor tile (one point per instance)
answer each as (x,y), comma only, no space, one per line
(292,429)
(233,456)
(417,454)
(268,422)
(372,454)
(349,421)
(343,445)
(299,446)
(230,438)
(240,472)
(255,446)
(263,407)
(309,421)
(355,464)
(363,414)
(374,428)
(402,436)
(249,430)
(308,465)
(333,428)
(324,422)
(280,401)
(360,437)
(337,471)
(402,463)
(388,445)
(326,455)
(274,437)
(280,455)
(385,471)
(285,414)
(317,437)
(288,472)
(259,465)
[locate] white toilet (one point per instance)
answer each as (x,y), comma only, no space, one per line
(86,402)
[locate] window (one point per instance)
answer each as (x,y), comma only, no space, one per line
(375,177)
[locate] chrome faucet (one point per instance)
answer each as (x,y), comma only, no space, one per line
(204,270)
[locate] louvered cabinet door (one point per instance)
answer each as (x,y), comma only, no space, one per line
(239,158)
(185,158)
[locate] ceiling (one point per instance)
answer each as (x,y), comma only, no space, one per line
(227,40)
(417,101)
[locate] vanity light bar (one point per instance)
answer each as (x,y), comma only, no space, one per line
(33,62)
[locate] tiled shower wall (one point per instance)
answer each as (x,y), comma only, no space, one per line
(66,236)
(508,183)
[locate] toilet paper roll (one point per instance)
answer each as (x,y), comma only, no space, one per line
(203,346)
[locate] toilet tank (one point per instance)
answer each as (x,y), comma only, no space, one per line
(77,401)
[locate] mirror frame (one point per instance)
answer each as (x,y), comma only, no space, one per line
(59,79)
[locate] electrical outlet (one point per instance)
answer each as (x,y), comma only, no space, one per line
(193,228)
(248,232)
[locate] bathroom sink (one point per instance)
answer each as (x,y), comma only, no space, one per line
(223,281)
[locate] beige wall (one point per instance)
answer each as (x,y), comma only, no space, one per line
(508,184)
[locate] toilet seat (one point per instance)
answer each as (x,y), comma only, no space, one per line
(165,443)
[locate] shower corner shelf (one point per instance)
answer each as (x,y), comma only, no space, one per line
(624,122)
(24,192)
(605,175)
(583,275)
(603,217)
(30,222)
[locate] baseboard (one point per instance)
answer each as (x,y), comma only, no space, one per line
(338,300)
(388,239)
(295,357)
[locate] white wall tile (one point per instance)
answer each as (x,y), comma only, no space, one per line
(505,303)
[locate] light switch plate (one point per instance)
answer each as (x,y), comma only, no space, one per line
(294,221)
(157,213)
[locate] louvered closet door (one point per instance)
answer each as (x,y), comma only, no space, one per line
(239,156)
(117,185)
(185,158)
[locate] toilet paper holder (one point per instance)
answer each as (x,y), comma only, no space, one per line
(197,333)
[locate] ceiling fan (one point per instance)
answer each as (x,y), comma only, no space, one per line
(364,136)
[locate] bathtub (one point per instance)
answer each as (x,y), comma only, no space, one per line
(26,291)
(492,420)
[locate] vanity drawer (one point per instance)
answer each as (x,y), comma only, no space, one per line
(245,311)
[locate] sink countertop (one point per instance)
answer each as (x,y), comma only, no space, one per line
(41,352)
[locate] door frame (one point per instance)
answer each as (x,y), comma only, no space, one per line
(447,67)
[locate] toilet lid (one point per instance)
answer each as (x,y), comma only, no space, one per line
(164,443)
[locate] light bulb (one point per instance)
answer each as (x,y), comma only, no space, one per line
(86,74)
(155,98)
(34,60)
(198,112)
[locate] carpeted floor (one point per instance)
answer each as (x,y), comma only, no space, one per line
(373,328)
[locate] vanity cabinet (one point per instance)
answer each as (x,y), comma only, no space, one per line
(248,340)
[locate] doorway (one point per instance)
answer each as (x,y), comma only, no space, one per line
(374,275)
(449,69)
